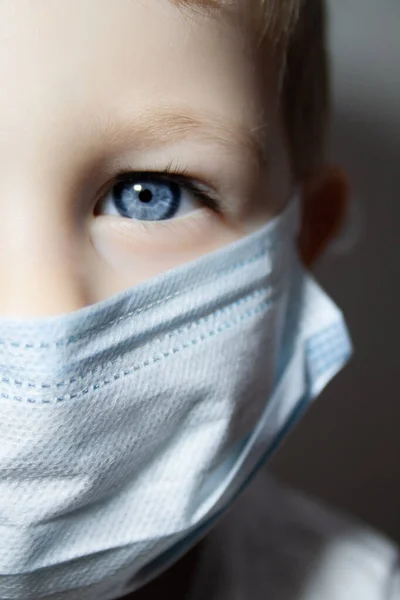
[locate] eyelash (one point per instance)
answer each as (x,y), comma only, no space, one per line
(176,174)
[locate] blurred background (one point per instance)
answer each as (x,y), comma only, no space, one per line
(347,448)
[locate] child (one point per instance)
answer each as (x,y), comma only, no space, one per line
(162,163)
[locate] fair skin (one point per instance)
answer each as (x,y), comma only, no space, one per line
(71,71)
(70,68)
(67,70)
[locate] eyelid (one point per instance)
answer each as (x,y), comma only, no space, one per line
(172,174)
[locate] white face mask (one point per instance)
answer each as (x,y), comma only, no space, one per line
(128,426)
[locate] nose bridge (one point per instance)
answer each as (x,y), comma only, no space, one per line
(41,266)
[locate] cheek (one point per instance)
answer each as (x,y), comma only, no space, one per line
(274,189)
(126,252)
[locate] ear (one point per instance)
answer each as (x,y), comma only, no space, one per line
(325,203)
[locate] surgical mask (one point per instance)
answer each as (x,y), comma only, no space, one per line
(127,427)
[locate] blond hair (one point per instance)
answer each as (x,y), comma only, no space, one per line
(298,29)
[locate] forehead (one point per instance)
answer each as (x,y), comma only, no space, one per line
(266,19)
(49,36)
(67,63)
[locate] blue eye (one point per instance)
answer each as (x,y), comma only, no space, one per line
(146,199)
(147,196)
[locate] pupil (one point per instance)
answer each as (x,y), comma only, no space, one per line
(145,195)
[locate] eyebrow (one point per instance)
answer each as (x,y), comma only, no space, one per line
(161,125)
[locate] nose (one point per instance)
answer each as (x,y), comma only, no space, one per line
(41,263)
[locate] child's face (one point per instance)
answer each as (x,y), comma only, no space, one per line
(92,88)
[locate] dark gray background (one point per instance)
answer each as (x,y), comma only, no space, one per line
(347,448)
